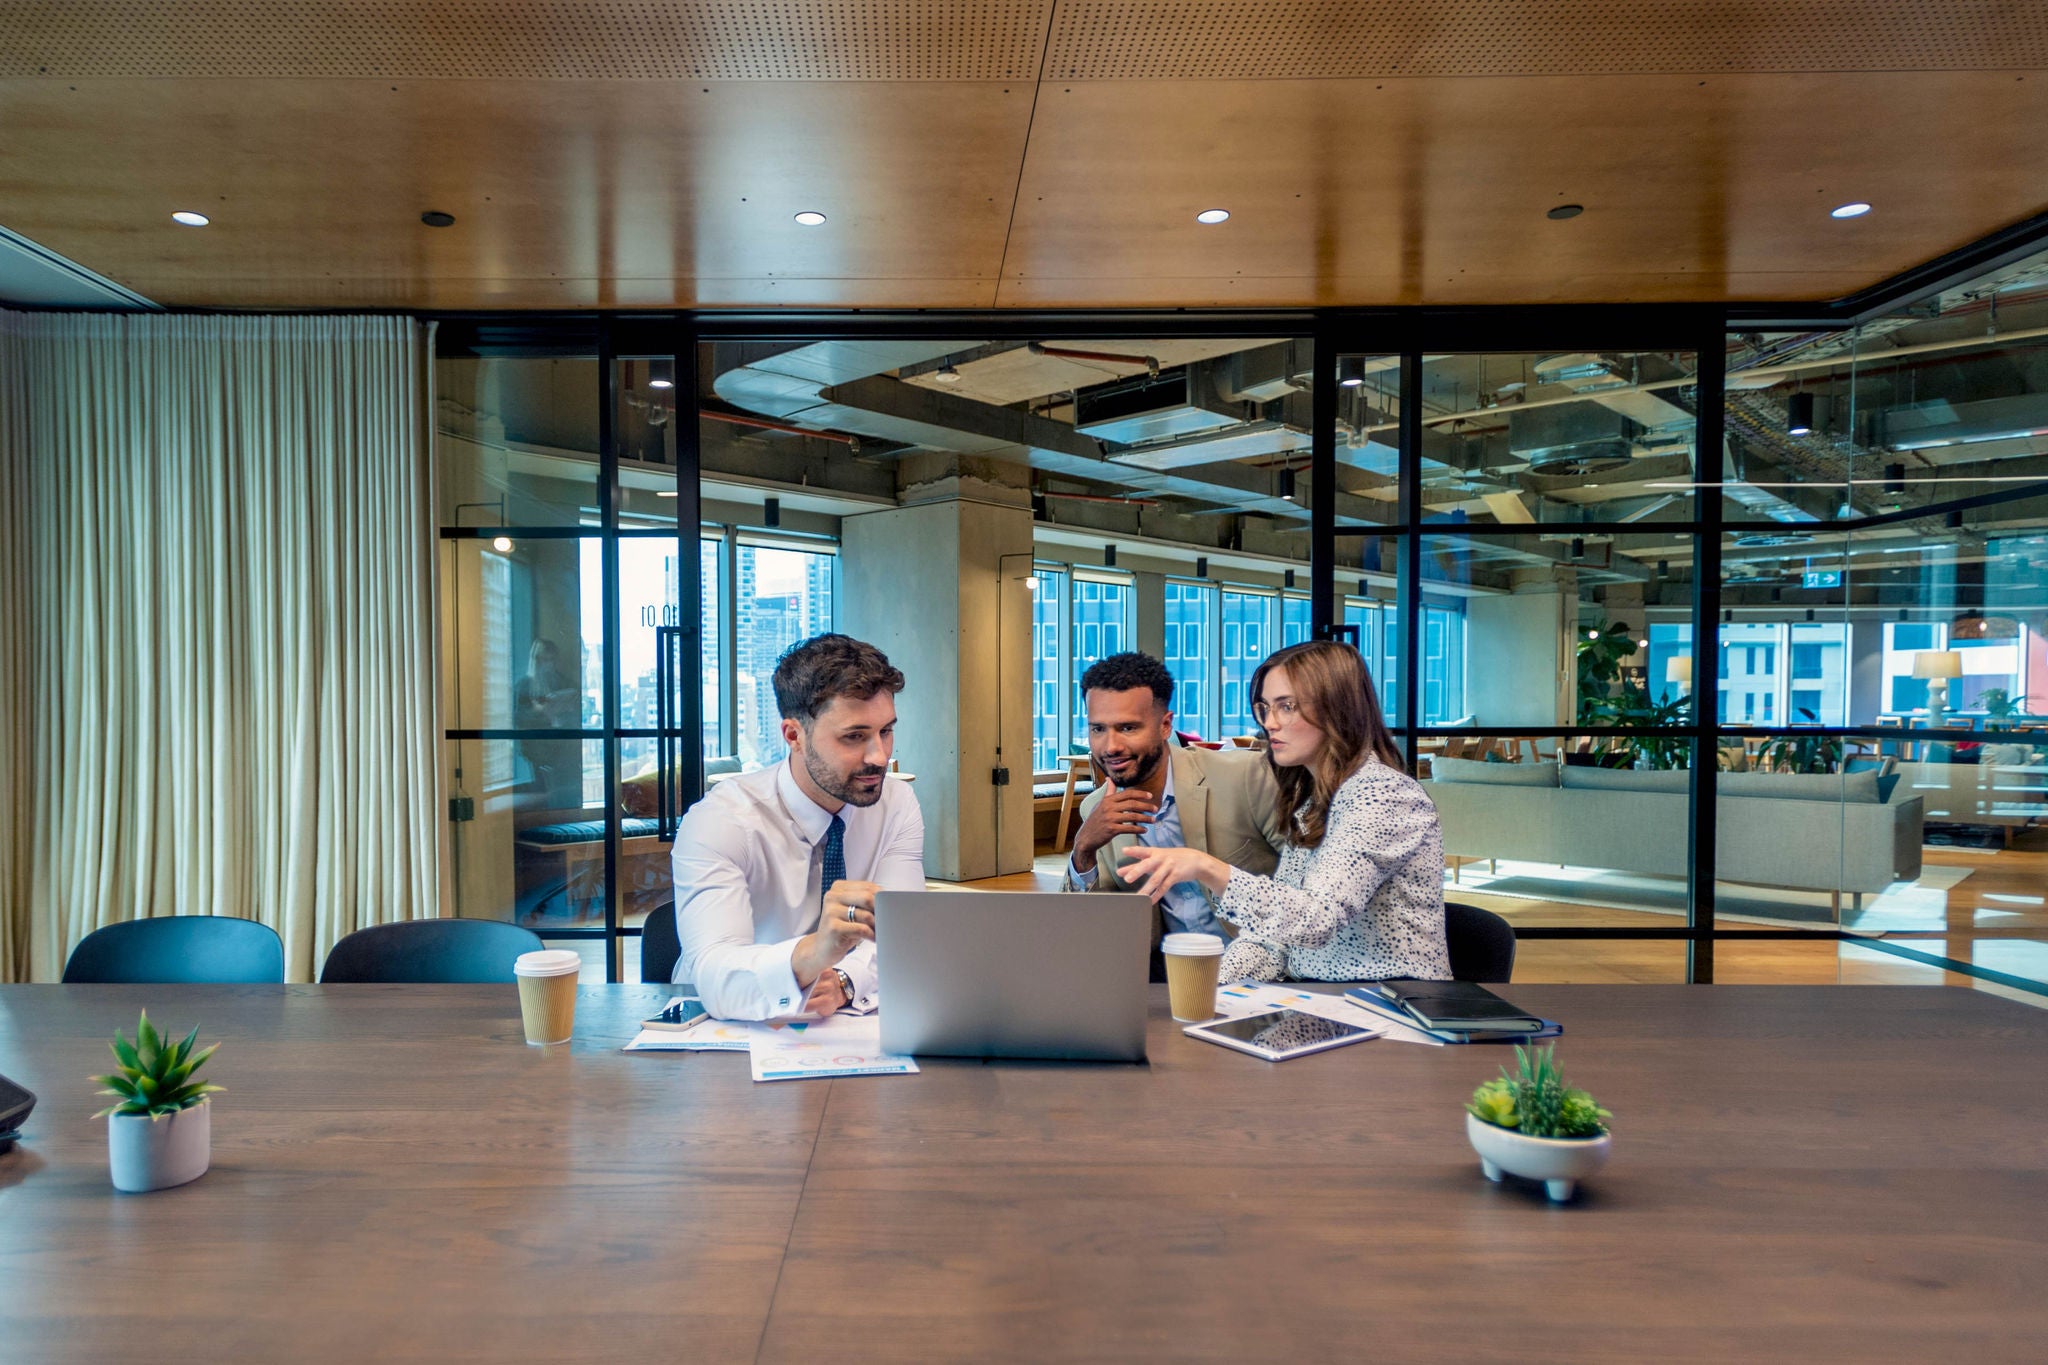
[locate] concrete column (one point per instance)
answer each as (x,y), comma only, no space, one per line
(939,587)
(1520,668)
(1149,594)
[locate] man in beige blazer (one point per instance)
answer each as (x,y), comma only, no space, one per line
(1221,801)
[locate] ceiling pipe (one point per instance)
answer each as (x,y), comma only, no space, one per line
(1098,497)
(1151,363)
(762,424)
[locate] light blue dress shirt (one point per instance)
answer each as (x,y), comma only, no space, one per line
(1186,906)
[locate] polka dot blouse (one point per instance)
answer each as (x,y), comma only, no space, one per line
(1365,904)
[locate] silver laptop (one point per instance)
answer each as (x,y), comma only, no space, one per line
(1014,973)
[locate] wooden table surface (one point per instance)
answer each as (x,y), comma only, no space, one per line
(1799,1173)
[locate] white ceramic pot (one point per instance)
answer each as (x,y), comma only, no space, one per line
(146,1154)
(1560,1163)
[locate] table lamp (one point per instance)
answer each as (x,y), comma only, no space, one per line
(1937,666)
(1679,670)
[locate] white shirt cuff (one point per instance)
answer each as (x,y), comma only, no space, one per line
(1084,880)
(778,985)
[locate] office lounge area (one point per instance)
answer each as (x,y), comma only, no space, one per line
(404,546)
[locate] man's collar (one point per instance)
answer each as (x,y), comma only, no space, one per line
(1166,792)
(812,819)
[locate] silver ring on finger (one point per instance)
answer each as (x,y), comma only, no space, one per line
(849,912)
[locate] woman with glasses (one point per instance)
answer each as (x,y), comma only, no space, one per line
(1359,892)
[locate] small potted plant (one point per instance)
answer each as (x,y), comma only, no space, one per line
(160,1129)
(1533,1125)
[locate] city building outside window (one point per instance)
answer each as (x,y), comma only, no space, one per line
(1048,676)
(1246,643)
(1189,654)
(1103,625)
(781,596)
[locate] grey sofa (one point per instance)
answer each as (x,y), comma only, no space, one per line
(1856,833)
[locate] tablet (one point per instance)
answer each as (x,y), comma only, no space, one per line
(1280,1034)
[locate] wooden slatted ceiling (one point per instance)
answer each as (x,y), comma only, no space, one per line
(636,153)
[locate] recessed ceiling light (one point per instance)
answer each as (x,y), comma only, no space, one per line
(666,493)
(1213,216)
(436,218)
(946,374)
(661,383)
(1564,211)
(190,219)
(810,218)
(1856,210)
(502,544)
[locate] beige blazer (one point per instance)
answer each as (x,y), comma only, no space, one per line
(1229,807)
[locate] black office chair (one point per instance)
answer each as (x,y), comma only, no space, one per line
(659,946)
(1482,944)
(180,950)
(430,952)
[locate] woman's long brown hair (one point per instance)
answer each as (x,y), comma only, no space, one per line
(1332,691)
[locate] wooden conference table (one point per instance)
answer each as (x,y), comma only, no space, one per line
(1825,1172)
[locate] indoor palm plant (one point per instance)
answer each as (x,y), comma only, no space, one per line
(2000,707)
(1530,1123)
(1607,697)
(159,1128)
(1803,753)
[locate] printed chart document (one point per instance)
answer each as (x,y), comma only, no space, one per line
(844,1045)
(712,1035)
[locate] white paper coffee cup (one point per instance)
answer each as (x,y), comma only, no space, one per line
(548,962)
(547,994)
(1192,962)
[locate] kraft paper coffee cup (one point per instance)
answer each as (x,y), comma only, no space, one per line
(547,994)
(1192,961)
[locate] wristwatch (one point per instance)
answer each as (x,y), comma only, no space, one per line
(845,984)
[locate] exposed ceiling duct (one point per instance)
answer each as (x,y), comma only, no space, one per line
(844,386)
(1158,407)
(1928,426)
(1245,441)
(1579,438)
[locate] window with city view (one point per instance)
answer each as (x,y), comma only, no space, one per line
(1102,626)
(1188,633)
(781,596)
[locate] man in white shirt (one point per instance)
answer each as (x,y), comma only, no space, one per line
(776,871)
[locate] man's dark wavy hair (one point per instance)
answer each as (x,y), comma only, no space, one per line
(1122,672)
(812,672)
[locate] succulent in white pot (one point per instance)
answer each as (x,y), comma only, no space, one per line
(1533,1125)
(160,1128)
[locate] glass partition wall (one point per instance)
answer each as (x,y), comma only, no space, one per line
(1843,548)
(567,645)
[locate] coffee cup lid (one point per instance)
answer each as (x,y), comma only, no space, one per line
(548,962)
(1192,945)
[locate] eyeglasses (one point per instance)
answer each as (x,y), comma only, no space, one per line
(1263,711)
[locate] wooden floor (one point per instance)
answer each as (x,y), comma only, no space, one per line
(1996,918)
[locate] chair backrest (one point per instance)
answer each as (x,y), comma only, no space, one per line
(430,952)
(179,950)
(659,946)
(1481,943)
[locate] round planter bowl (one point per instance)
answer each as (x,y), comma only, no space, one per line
(1560,1163)
(145,1154)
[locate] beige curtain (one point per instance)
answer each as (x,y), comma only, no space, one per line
(219,674)
(16,797)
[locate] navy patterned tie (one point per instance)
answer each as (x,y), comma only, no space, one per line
(835,857)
